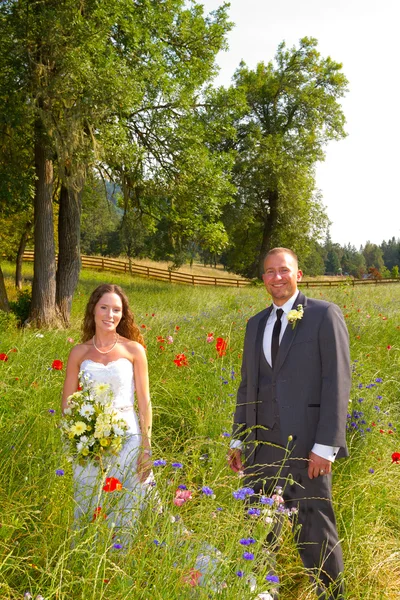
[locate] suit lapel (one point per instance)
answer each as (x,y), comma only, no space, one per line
(259,340)
(290,334)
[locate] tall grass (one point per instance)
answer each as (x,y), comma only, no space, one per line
(41,552)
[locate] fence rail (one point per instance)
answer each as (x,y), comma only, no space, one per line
(119,266)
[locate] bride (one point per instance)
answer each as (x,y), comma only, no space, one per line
(112,352)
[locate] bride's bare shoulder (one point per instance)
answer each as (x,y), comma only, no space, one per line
(79,352)
(133,348)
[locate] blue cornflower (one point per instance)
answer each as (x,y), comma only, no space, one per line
(254,511)
(177,465)
(265,500)
(361,400)
(377,408)
(117,546)
(207,491)
(182,486)
(371,470)
(248,491)
(226,434)
(272,578)
(156,542)
(60,472)
(379,397)
(160,462)
(240,573)
(247,541)
(378,380)
(51,411)
(248,555)
(239,495)
(219,508)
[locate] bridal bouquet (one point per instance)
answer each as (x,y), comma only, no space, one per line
(91,426)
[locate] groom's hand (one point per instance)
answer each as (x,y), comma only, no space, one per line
(318,466)
(235,459)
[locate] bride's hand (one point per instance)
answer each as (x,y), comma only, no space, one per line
(144,465)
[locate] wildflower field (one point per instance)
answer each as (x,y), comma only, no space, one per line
(203,544)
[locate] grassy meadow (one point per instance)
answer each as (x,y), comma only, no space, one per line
(41,553)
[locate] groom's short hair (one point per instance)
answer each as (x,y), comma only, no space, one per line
(280,251)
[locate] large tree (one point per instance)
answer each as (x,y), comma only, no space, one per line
(291,112)
(91,74)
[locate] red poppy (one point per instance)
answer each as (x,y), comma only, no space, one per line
(12,350)
(388,347)
(57,365)
(381,431)
(143,326)
(180,360)
(3,357)
(396,458)
(160,338)
(221,346)
(112,484)
(97,513)
(177,328)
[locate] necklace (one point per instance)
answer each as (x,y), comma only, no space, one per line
(107,351)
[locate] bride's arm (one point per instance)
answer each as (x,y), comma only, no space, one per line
(143,394)
(71,381)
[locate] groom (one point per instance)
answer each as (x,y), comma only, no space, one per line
(291,412)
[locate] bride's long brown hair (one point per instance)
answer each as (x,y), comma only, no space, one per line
(126,327)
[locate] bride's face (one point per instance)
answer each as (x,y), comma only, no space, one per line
(108,312)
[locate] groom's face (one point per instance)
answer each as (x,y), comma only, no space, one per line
(281,274)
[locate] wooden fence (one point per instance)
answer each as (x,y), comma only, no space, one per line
(119,266)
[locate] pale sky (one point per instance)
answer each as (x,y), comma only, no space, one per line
(359,178)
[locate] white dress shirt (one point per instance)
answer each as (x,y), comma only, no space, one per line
(327,452)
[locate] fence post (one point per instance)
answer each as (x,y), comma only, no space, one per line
(170,276)
(102,263)
(148,272)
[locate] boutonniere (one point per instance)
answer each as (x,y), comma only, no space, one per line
(295,315)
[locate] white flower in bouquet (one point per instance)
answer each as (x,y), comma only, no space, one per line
(86,410)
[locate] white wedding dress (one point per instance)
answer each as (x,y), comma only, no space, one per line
(119,507)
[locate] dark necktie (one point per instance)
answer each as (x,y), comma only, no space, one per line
(275,336)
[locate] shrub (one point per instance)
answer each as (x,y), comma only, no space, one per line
(22,305)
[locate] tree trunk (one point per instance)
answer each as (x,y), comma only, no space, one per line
(43,310)
(3,294)
(69,254)
(21,250)
(270,222)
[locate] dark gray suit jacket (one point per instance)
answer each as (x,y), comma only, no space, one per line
(311,380)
